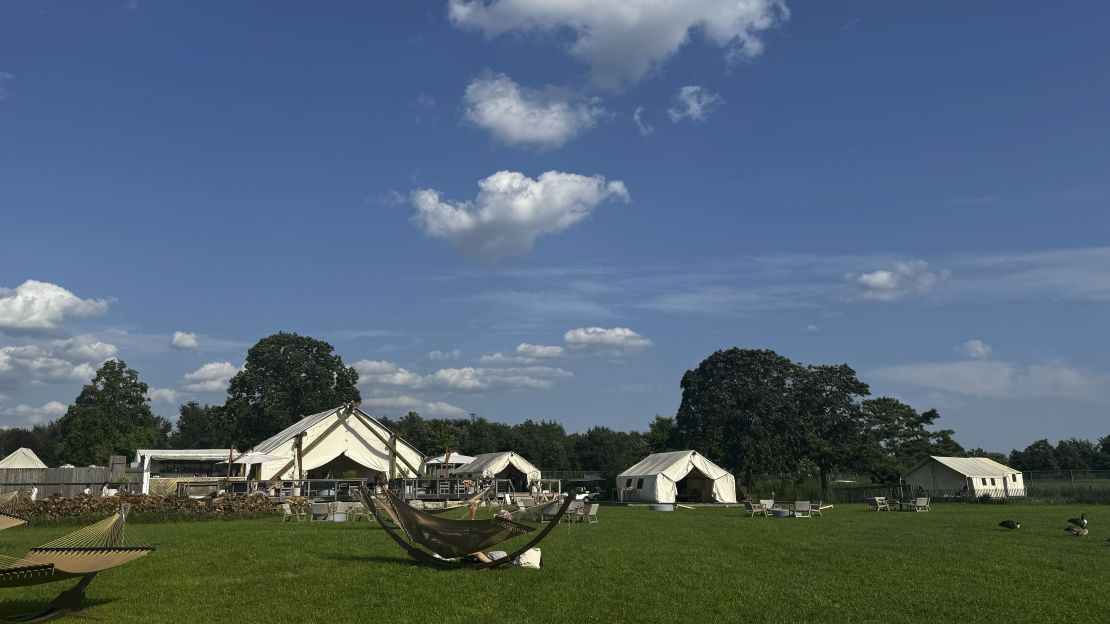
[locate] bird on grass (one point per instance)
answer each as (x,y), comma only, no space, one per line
(1077,531)
(1080,522)
(1010,524)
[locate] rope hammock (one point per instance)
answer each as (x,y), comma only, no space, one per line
(83,553)
(445,537)
(8,517)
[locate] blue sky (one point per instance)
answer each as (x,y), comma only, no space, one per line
(542,210)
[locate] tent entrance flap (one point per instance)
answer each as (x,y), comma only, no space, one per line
(343,467)
(694,488)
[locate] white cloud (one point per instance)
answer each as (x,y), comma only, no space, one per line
(434,409)
(440,356)
(517,115)
(975,349)
(35,305)
(644,128)
(904,278)
(211,377)
(71,359)
(619,339)
(694,103)
(382,374)
(29,415)
(997,380)
(810,328)
(538,351)
(162,395)
(184,340)
(512,210)
(621,40)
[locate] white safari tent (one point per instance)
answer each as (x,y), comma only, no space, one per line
(678,475)
(22,458)
(975,476)
(666,477)
(334,443)
(503,465)
(448,461)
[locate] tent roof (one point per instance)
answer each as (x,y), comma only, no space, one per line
(674,463)
(456,458)
(970,466)
(276,441)
(489,464)
(22,458)
(183,454)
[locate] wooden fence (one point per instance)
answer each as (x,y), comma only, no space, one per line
(68,482)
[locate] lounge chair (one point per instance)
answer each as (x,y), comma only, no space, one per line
(878,503)
(288,513)
(81,554)
(755,509)
(815,508)
(356,511)
(920,503)
(573,512)
(591,515)
(449,540)
(768,504)
(802,509)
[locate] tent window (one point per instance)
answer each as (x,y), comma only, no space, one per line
(639,484)
(984,480)
(628,483)
(992,480)
(1013,478)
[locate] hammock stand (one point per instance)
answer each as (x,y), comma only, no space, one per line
(507,528)
(81,554)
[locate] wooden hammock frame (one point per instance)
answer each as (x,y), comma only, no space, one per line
(424,557)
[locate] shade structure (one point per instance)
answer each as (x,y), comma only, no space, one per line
(505,464)
(663,477)
(337,440)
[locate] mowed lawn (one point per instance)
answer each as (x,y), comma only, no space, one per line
(706,565)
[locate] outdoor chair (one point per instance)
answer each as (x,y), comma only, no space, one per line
(878,503)
(921,503)
(288,513)
(815,508)
(802,509)
(755,509)
(591,515)
(768,504)
(574,511)
(357,511)
(320,511)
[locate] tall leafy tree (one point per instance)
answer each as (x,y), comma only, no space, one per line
(663,435)
(902,436)
(1039,455)
(739,408)
(200,426)
(1076,454)
(831,424)
(111,416)
(286,377)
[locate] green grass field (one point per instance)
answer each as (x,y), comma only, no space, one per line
(706,565)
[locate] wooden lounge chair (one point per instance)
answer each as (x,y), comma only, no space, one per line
(802,509)
(815,508)
(81,554)
(448,540)
(288,513)
(921,503)
(768,504)
(755,509)
(591,515)
(357,511)
(573,512)
(878,503)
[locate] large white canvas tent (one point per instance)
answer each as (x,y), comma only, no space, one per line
(334,443)
(22,458)
(447,461)
(503,465)
(975,476)
(666,477)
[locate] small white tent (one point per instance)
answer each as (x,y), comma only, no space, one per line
(436,465)
(976,476)
(503,465)
(337,441)
(22,458)
(666,477)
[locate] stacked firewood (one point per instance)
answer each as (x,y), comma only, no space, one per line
(146,508)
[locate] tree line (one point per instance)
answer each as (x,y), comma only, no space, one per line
(755,412)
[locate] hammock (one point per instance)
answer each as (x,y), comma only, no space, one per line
(448,538)
(82,554)
(8,517)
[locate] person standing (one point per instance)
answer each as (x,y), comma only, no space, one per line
(34,492)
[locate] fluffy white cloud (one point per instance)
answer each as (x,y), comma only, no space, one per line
(184,340)
(29,415)
(512,210)
(162,395)
(211,377)
(904,278)
(694,103)
(524,354)
(72,359)
(997,380)
(381,374)
(611,341)
(440,356)
(810,328)
(435,409)
(975,349)
(621,40)
(35,305)
(517,115)
(637,117)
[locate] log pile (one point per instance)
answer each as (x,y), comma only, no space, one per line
(146,508)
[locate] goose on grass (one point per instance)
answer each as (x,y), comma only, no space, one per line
(1010,524)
